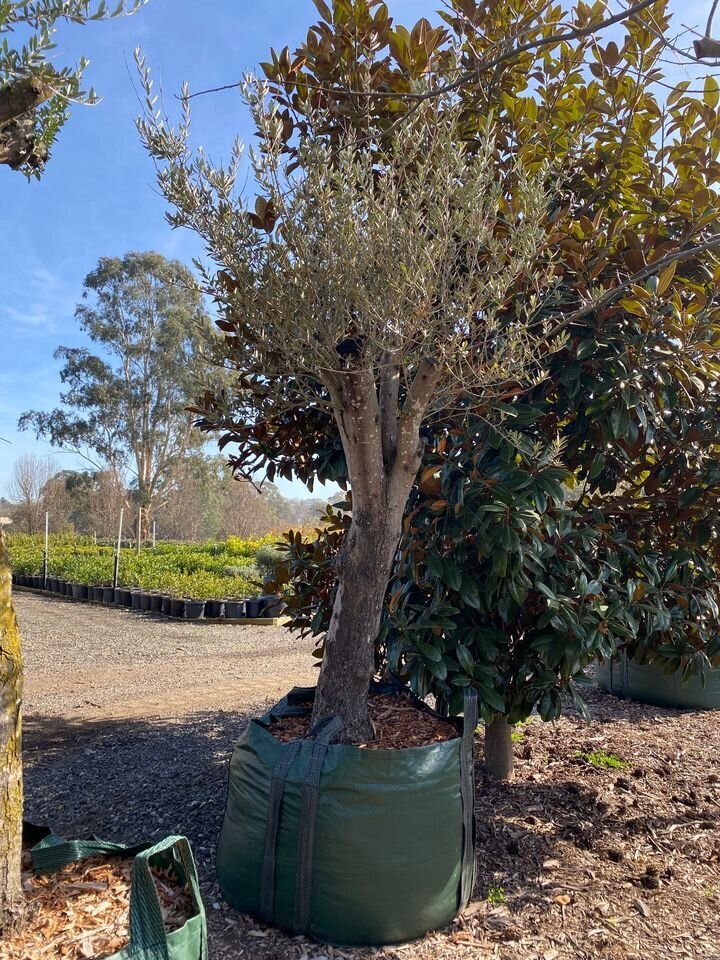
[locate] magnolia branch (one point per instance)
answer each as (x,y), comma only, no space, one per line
(575,33)
(651,270)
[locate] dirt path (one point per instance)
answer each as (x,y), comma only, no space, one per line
(131,720)
(100,663)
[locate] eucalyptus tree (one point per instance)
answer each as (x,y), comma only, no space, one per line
(124,406)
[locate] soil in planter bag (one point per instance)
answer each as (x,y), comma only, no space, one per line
(348,845)
(148,937)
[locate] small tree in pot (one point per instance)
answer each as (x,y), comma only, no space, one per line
(375,272)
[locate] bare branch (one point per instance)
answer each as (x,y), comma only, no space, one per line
(576,33)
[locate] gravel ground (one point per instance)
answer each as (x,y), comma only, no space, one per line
(130,721)
(97,662)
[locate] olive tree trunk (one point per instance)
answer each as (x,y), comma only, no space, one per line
(364,567)
(381,441)
(499,749)
(11,788)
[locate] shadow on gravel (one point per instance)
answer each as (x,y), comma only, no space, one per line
(131,779)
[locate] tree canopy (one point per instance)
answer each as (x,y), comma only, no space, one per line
(124,406)
(580,512)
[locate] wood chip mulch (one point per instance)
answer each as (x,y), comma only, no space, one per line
(397,722)
(82,910)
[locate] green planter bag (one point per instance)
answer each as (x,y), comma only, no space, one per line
(647,683)
(349,846)
(148,938)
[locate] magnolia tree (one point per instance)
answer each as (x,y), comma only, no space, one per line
(377,273)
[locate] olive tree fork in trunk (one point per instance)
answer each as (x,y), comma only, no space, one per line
(374,270)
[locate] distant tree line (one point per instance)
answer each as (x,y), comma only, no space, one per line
(203,502)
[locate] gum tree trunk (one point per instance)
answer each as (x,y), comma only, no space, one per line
(499,749)
(11,789)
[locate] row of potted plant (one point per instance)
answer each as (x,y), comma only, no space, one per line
(151,601)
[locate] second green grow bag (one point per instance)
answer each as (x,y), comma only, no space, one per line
(348,845)
(148,937)
(647,683)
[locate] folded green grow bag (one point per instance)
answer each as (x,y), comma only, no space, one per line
(348,845)
(647,683)
(148,938)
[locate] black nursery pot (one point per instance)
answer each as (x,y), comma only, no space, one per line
(97,594)
(156,603)
(253,608)
(271,605)
(108,594)
(194,609)
(213,609)
(177,607)
(166,605)
(51,584)
(136,599)
(236,609)
(145,601)
(80,591)
(37,582)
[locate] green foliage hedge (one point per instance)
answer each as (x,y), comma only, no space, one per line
(198,571)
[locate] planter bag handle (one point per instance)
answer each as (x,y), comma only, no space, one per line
(54,852)
(321,735)
(148,938)
(467,792)
(277,789)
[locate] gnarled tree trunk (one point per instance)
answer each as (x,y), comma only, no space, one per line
(499,749)
(380,435)
(11,789)
(364,567)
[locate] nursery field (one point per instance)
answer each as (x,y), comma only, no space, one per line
(604,846)
(199,571)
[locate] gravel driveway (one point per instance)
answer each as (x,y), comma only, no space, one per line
(130,721)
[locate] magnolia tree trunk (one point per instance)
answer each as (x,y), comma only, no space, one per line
(11,793)
(499,749)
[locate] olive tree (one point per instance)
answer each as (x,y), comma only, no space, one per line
(35,94)
(378,274)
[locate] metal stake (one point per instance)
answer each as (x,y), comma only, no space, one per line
(116,570)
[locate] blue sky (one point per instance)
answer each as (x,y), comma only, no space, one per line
(97,197)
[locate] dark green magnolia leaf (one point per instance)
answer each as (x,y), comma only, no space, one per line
(465,658)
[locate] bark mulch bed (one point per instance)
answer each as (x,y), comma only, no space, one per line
(396,722)
(82,910)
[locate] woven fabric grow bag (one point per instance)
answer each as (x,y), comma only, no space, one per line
(348,845)
(148,937)
(646,683)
